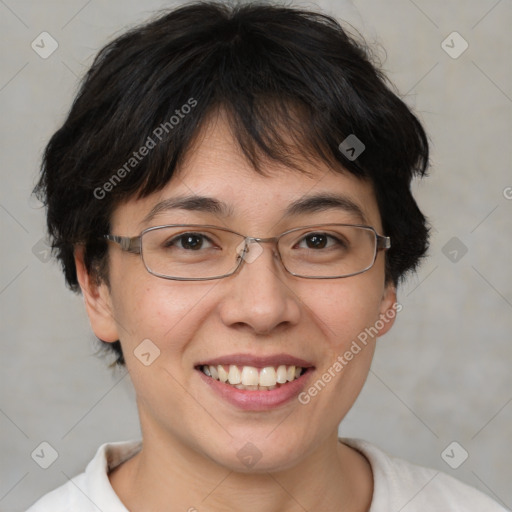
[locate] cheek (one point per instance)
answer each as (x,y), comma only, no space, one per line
(165,312)
(345,308)
(345,311)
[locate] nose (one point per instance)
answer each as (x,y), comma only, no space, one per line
(260,296)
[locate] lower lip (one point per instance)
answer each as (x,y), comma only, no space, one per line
(258,400)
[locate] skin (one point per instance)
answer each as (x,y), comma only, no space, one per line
(191,436)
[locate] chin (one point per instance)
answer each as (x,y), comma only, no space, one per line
(253,454)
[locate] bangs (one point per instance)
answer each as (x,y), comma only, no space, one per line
(283,102)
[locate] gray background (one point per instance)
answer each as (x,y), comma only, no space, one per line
(443,372)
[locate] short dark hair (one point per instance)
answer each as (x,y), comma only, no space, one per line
(280,73)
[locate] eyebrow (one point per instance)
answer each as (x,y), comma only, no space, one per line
(307,204)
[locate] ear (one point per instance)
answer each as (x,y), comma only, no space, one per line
(97,299)
(388,310)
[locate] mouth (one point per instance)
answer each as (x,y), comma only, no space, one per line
(256,383)
(252,378)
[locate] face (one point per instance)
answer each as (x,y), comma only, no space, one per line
(259,317)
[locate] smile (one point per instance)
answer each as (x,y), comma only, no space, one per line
(251,378)
(256,382)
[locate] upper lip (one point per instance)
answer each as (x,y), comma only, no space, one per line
(257,361)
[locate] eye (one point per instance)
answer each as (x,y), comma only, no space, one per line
(321,240)
(189,241)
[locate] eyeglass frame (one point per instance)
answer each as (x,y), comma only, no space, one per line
(134,245)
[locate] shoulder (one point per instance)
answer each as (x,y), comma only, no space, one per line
(62,499)
(91,490)
(400,485)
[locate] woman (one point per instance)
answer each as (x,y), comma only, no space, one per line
(231,194)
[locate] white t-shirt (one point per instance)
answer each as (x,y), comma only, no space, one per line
(398,485)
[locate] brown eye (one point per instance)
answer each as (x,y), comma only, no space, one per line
(188,241)
(321,241)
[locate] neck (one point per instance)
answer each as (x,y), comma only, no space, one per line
(167,472)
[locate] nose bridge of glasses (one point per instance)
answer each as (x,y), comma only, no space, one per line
(249,255)
(255,239)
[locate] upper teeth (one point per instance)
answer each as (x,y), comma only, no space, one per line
(251,376)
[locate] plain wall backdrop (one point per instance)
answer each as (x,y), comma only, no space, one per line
(442,374)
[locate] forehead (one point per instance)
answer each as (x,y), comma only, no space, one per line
(216,181)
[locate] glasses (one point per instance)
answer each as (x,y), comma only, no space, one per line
(196,252)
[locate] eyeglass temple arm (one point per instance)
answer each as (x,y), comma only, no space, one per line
(383,242)
(127,244)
